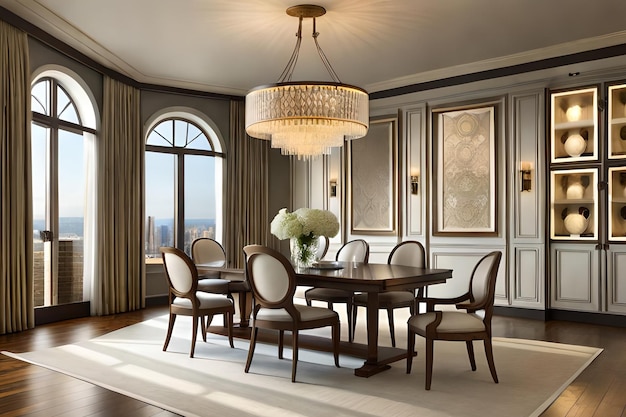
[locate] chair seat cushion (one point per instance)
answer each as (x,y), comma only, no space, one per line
(388,298)
(206,301)
(213,285)
(327,294)
(452,322)
(307,313)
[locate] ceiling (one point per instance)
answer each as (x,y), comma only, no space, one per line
(231,46)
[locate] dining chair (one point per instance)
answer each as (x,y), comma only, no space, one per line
(357,250)
(186,300)
(409,253)
(322,249)
(474,323)
(209,251)
(273,283)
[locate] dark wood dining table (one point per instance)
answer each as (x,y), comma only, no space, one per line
(373,279)
(370,278)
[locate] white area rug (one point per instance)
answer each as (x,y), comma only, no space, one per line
(131,361)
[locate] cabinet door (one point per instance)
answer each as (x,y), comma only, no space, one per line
(574,204)
(617,122)
(617,204)
(616,279)
(575,277)
(574,125)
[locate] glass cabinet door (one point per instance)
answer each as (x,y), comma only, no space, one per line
(574,125)
(617,204)
(617,122)
(574,207)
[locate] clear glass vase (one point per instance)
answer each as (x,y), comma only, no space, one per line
(303,251)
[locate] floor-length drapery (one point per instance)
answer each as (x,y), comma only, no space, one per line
(246,213)
(120,274)
(16,213)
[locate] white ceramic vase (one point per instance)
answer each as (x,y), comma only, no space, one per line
(575,223)
(575,191)
(575,145)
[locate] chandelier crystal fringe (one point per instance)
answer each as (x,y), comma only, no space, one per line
(306,119)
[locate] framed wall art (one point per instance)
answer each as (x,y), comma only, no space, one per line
(465,171)
(373,184)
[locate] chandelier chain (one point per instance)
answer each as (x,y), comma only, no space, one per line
(287,73)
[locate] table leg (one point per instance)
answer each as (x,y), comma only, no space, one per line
(245,300)
(371,365)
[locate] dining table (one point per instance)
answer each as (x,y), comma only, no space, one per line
(369,278)
(373,279)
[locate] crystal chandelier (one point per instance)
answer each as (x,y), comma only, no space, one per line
(307,118)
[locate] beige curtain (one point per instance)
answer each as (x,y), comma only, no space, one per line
(119,282)
(246,218)
(16,213)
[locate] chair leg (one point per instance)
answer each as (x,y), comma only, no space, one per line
(194,334)
(489,354)
(336,335)
(470,353)
(229,321)
(209,319)
(170,328)
(251,348)
(429,362)
(294,345)
(281,343)
(410,350)
(203,329)
(391,327)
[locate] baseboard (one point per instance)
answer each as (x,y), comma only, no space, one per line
(524,313)
(157,301)
(52,314)
(602,319)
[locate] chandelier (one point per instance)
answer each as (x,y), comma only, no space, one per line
(307,118)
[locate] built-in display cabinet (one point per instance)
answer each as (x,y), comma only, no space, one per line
(587,202)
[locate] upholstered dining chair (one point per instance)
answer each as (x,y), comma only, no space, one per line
(354,251)
(472,324)
(322,248)
(208,251)
(409,253)
(186,300)
(273,283)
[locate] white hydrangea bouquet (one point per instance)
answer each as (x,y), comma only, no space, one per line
(304,227)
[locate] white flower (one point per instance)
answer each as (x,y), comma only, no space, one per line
(304,222)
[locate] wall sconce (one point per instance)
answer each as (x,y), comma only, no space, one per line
(333,188)
(526,168)
(414,184)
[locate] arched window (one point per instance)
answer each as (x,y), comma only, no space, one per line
(63,133)
(183,182)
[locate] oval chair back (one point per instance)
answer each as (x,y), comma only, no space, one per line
(357,250)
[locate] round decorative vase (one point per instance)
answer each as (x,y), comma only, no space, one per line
(303,250)
(575,145)
(575,223)
(575,191)
(573,113)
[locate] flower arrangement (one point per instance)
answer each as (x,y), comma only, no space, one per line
(304,226)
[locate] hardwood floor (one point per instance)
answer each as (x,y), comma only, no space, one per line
(28,390)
